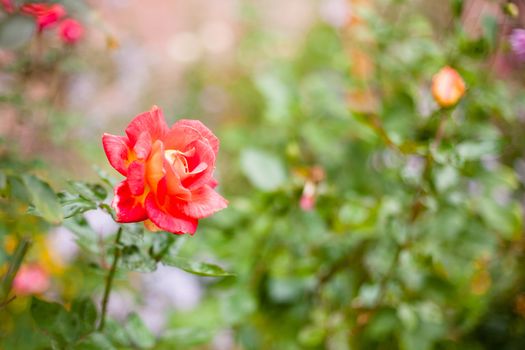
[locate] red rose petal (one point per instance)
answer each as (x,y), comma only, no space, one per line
(142,147)
(116,148)
(136,177)
(155,165)
(203,154)
(151,121)
(204,131)
(178,224)
(128,208)
(204,202)
(185,131)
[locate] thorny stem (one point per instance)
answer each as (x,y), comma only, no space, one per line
(109,280)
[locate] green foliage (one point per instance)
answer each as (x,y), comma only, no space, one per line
(62,327)
(415,235)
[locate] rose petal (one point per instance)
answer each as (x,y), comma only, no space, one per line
(178,224)
(203,154)
(151,121)
(185,131)
(155,165)
(128,208)
(116,148)
(204,202)
(174,183)
(142,147)
(136,177)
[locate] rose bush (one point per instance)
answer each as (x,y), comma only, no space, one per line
(169,173)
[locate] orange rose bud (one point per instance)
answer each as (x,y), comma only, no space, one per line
(447,87)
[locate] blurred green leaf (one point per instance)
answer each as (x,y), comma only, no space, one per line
(135,260)
(92,192)
(196,268)
(16,31)
(95,341)
(52,319)
(73,205)
(138,333)
(264,170)
(43,198)
(85,313)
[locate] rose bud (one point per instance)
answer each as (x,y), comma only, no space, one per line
(31,279)
(70,31)
(46,15)
(169,173)
(447,87)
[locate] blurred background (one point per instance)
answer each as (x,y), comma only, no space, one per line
(363,215)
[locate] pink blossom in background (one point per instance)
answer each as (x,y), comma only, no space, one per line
(517,42)
(31,279)
(307,201)
(7,5)
(46,15)
(70,31)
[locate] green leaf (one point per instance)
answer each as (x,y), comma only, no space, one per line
(73,205)
(138,333)
(277,94)
(196,268)
(16,31)
(86,313)
(264,170)
(93,192)
(135,260)
(52,318)
(186,337)
(43,198)
(95,341)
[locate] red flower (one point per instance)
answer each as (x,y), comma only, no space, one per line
(169,172)
(45,14)
(31,279)
(7,5)
(70,31)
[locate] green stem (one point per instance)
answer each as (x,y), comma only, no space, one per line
(109,280)
(16,261)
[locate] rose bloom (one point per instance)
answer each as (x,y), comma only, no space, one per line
(447,87)
(46,15)
(169,173)
(70,31)
(31,279)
